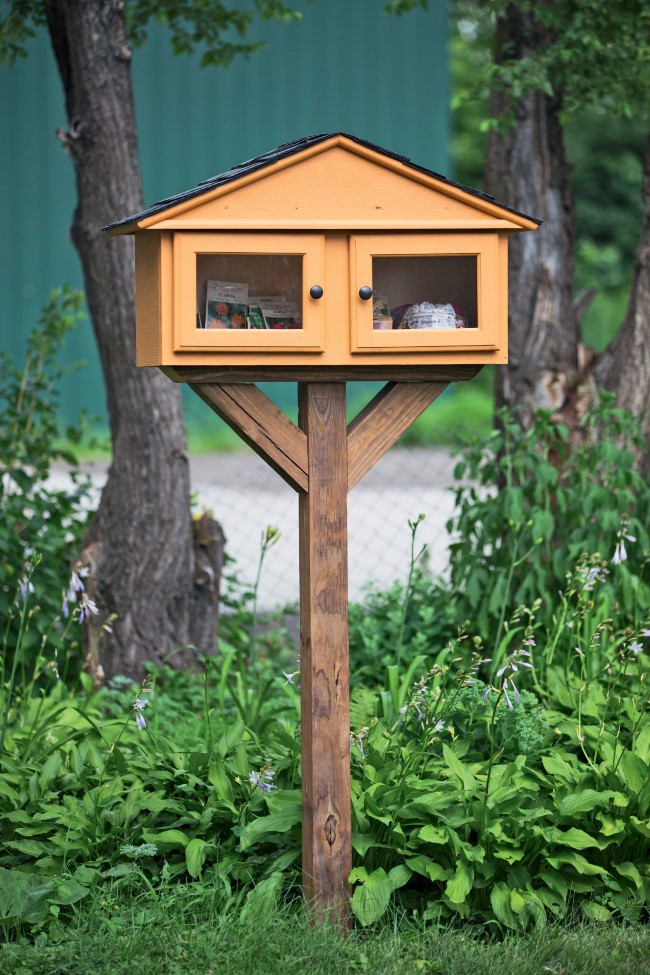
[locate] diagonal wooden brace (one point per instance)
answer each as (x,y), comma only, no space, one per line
(383,421)
(260,424)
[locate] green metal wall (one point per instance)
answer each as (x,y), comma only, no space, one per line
(346,66)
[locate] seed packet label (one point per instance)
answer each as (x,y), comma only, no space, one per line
(267,301)
(380,307)
(226,304)
(285,315)
(255,317)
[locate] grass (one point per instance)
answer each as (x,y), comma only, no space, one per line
(189,933)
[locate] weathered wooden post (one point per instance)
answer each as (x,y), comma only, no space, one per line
(266,273)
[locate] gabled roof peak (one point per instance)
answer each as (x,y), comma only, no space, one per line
(286,150)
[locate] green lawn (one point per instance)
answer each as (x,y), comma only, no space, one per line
(175,938)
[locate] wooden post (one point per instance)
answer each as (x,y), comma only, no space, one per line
(324,668)
(313,459)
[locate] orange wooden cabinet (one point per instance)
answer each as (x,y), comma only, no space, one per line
(327,252)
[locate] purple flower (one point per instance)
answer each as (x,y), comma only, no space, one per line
(505,691)
(140,722)
(25,588)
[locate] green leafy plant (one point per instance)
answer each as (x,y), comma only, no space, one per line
(34,516)
(530,505)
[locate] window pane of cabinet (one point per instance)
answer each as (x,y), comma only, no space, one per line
(249,291)
(426,293)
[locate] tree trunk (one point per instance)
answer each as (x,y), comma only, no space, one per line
(624,367)
(527,169)
(140,546)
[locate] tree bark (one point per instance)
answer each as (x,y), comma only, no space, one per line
(624,367)
(140,546)
(527,169)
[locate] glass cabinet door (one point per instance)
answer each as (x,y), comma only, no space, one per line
(239,292)
(423,292)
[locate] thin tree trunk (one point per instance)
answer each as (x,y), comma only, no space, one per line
(624,367)
(140,546)
(527,169)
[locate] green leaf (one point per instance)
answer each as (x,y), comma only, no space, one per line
(50,771)
(371,898)
(279,822)
(168,839)
(399,876)
(595,912)
(218,778)
(501,905)
(433,834)
(426,866)
(634,771)
(362,842)
(577,861)
(628,870)
(460,884)
(195,854)
(582,801)
(577,839)
(460,770)
(69,891)
(517,902)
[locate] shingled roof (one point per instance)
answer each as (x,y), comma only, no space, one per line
(282,152)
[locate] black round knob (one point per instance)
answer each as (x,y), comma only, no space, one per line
(316,291)
(365,293)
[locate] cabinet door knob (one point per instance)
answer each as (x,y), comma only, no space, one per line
(365,293)
(316,291)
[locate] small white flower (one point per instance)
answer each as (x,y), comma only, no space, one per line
(289,678)
(635,647)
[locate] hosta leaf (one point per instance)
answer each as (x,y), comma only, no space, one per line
(69,891)
(641,826)
(433,834)
(279,822)
(426,866)
(460,884)
(362,842)
(557,766)
(577,839)
(582,801)
(500,900)
(556,882)
(517,902)
(633,771)
(595,912)
(460,770)
(195,854)
(628,870)
(372,897)
(168,839)
(577,861)
(218,778)
(50,770)
(399,876)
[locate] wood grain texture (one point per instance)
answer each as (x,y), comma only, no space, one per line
(260,424)
(220,373)
(383,421)
(324,668)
